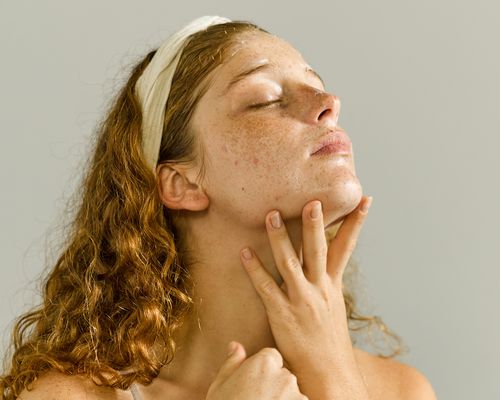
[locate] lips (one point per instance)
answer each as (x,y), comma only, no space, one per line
(334,140)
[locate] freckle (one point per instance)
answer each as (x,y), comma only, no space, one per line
(236,162)
(242,189)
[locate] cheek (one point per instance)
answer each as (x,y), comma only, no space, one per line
(255,157)
(261,170)
(256,144)
(241,158)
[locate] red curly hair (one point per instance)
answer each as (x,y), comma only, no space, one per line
(120,286)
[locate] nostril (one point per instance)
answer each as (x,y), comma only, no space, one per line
(328,113)
(322,112)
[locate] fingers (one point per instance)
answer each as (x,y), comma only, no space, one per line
(235,357)
(318,257)
(286,260)
(314,244)
(269,355)
(285,256)
(344,243)
(271,294)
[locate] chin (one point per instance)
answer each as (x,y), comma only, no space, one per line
(339,203)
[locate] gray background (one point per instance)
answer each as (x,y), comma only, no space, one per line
(419,84)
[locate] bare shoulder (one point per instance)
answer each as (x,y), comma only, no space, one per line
(58,386)
(388,379)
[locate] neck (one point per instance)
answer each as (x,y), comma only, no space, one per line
(226,305)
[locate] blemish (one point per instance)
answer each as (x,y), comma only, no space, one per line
(255,161)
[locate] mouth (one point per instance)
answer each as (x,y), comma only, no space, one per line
(334,142)
(333,148)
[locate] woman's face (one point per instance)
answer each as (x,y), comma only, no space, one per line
(259,158)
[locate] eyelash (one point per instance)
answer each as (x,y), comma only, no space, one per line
(262,105)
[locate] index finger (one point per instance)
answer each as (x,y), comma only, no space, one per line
(271,294)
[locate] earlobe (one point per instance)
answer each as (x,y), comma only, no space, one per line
(177,192)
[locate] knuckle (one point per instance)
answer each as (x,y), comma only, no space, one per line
(293,263)
(270,355)
(266,286)
(267,363)
(291,379)
(319,252)
(325,292)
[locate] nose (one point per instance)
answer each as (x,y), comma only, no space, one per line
(327,108)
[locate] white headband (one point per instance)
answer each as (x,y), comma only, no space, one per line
(153,86)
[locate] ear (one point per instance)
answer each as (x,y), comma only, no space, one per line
(177,191)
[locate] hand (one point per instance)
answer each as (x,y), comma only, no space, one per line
(261,376)
(307,313)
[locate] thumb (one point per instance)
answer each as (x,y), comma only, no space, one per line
(236,355)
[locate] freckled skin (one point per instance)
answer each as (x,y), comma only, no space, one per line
(266,150)
(256,160)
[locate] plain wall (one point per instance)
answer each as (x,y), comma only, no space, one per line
(419,85)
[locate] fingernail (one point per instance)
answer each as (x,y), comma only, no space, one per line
(247,254)
(366,205)
(276,220)
(316,210)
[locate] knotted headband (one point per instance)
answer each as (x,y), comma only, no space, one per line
(153,86)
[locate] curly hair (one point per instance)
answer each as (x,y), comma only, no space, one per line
(120,285)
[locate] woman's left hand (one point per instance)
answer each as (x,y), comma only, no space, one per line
(307,314)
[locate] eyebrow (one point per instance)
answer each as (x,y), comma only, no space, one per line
(262,67)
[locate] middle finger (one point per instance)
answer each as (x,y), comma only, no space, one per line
(314,242)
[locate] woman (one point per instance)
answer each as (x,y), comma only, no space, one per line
(153,289)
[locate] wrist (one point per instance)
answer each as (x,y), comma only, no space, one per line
(339,384)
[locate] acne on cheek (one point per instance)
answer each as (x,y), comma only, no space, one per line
(235,161)
(248,145)
(254,160)
(225,150)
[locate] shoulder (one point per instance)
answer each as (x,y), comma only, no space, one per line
(58,386)
(388,378)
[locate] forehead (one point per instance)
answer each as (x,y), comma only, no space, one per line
(254,43)
(254,48)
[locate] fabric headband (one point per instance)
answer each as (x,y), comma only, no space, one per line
(153,86)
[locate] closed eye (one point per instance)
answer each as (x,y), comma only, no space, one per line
(262,105)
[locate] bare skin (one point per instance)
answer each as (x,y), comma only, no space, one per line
(259,160)
(385,379)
